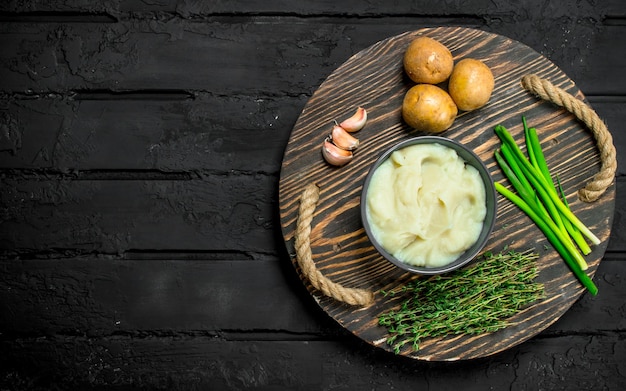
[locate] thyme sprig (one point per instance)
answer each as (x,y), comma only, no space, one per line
(475,300)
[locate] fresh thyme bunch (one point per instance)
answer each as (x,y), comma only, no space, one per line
(475,300)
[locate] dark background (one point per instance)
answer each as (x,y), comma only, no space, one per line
(140,149)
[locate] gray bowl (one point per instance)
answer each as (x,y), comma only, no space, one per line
(490,196)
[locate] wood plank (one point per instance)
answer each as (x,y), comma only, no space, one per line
(324,7)
(103,303)
(603,312)
(617,242)
(260,57)
(580,362)
(611,111)
(145,54)
(171,132)
(165,132)
(597,75)
(101,297)
(223,213)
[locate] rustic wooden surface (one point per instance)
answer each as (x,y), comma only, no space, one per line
(140,158)
(374,78)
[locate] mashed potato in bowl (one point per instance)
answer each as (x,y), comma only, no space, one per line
(425,205)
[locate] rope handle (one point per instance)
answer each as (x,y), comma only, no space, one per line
(534,84)
(604,142)
(304,256)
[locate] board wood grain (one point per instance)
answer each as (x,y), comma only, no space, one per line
(137,54)
(374,79)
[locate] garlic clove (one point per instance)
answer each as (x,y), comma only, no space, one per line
(356,122)
(343,139)
(335,155)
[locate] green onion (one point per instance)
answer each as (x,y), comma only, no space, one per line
(516,180)
(530,147)
(540,199)
(575,233)
(534,175)
(515,167)
(538,160)
(568,253)
(545,197)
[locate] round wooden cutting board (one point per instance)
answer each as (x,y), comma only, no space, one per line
(374,79)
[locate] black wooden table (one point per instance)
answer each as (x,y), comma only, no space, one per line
(140,152)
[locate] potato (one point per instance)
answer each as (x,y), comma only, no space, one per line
(426,60)
(471,84)
(428,108)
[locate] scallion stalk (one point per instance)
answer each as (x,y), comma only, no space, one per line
(554,235)
(530,147)
(541,183)
(539,197)
(517,178)
(537,152)
(573,231)
(539,162)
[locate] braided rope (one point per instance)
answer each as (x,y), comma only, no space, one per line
(304,256)
(604,178)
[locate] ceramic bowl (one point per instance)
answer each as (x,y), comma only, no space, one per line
(490,198)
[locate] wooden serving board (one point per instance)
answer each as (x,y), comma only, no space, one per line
(374,78)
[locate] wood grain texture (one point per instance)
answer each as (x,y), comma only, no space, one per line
(225,59)
(142,296)
(196,363)
(116,216)
(374,78)
(146,131)
(140,149)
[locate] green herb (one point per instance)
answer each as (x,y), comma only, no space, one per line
(474,300)
(541,200)
(540,184)
(575,233)
(562,245)
(538,160)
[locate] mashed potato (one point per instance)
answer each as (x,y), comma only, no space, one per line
(425,205)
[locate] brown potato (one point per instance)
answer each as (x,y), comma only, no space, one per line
(428,108)
(470,84)
(427,60)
